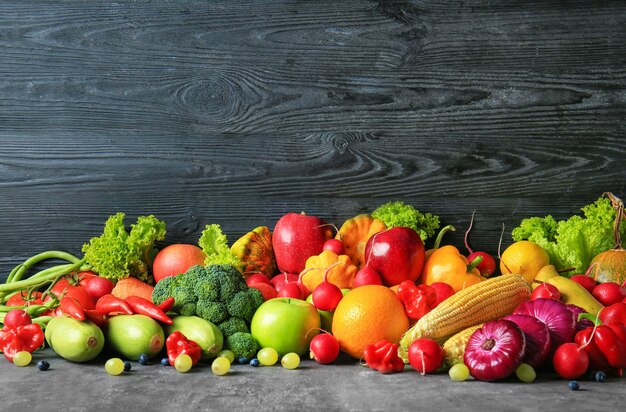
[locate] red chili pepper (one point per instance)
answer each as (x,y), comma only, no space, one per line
(383,357)
(72,308)
(176,344)
(615,313)
(96,316)
(112,304)
(143,306)
(418,300)
(605,346)
(167,304)
(22,338)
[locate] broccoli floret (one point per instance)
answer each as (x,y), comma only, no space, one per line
(214,312)
(204,286)
(242,344)
(233,325)
(244,304)
(163,289)
(229,279)
(184,296)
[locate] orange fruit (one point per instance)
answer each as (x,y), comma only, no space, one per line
(366,315)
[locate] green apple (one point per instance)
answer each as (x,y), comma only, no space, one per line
(285,324)
(326,317)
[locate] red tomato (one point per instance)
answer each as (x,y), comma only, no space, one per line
(176,259)
(96,286)
(76,292)
(20,299)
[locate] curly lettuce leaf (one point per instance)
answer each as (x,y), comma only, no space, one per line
(214,244)
(573,242)
(117,254)
(398,213)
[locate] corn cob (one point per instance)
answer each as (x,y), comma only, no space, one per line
(454,347)
(490,299)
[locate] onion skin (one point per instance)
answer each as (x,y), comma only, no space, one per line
(495,350)
(537,335)
(557,317)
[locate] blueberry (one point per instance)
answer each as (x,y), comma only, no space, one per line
(600,376)
(255,362)
(143,359)
(573,385)
(165,362)
(43,365)
(242,360)
(127,366)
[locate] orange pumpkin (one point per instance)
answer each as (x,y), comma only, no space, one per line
(255,252)
(355,233)
(341,275)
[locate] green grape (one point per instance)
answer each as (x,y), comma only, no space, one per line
(114,366)
(459,372)
(220,365)
(267,356)
(183,363)
(228,354)
(290,360)
(22,358)
(526,373)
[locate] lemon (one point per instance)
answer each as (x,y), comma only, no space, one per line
(524,258)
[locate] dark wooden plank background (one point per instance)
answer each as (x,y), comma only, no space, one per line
(236,112)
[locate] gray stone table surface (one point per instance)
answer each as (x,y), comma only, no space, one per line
(344,386)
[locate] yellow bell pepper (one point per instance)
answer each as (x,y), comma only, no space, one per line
(448,265)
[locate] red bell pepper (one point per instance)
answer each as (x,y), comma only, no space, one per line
(176,344)
(143,306)
(26,337)
(383,357)
(72,308)
(112,304)
(418,300)
(606,346)
(615,313)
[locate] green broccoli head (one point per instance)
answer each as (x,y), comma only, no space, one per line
(229,279)
(184,296)
(214,312)
(205,287)
(245,303)
(163,289)
(242,344)
(233,325)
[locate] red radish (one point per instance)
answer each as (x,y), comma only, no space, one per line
(488,264)
(95,285)
(257,278)
(547,291)
(291,290)
(443,291)
(495,350)
(266,290)
(279,280)
(15,318)
(425,355)
(326,295)
(366,276)
(324,348)
(570,361)
(585,281)
(334,245)
(609,293)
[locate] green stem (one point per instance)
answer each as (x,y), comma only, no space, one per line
(33,260)
(472,265)
(442,232)
(593,318)
(41,278)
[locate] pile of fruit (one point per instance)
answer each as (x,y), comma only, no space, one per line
(556,303)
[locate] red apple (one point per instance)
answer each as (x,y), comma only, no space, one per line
(397,254)
(297,237)
(585,281)
(176,259)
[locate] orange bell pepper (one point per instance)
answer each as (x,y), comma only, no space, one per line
(448,265)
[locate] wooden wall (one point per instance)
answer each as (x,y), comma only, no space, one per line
(236,112)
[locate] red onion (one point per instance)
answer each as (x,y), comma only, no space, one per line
(538,341)
(580,324)
(495,350)
(559,320)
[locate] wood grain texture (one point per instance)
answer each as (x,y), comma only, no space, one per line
(237,112)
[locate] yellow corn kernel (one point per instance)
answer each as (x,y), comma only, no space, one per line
(454,347)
